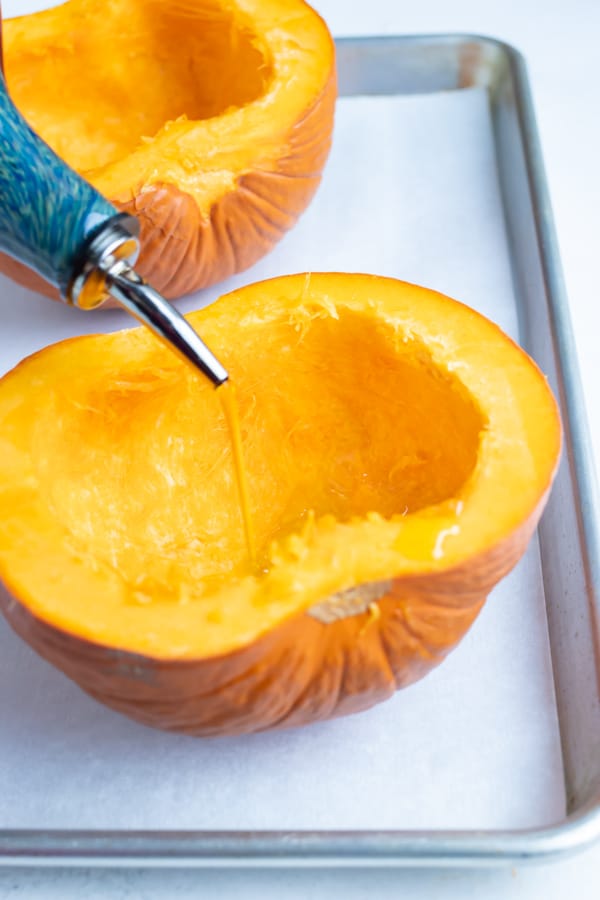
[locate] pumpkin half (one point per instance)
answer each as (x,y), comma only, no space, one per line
(209,120)
(399,449)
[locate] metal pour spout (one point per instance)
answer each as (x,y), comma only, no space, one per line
(106,269)
(151,309)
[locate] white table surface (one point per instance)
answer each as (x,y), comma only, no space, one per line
(560,40)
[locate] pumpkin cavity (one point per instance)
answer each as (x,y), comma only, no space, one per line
(340,417)
(137,67)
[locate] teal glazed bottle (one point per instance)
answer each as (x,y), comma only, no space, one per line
(48,213)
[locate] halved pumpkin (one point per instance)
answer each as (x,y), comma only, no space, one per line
(210,120)
(399,448)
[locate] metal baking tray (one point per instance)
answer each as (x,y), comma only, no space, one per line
(568,534)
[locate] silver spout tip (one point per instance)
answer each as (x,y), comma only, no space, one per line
(151,309)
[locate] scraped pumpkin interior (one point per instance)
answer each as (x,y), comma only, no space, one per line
(145,64)
(141,468)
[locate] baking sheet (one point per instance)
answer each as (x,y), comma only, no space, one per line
(411,191)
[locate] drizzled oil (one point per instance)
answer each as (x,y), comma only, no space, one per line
(229,405)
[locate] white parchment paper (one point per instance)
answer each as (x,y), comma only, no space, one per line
(410,191)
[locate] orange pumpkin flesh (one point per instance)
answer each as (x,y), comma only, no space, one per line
(209,120)
(399,449)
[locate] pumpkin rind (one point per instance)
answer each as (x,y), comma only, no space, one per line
(303,671)
(187,241)
(402,601)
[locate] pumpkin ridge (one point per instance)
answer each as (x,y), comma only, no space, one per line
(303,689)
(376,633)
(309,133)
(409,627)
(266,179)
(167,224)
(219,230)
(264,206)
(236,243)
(309,692)
(264,227)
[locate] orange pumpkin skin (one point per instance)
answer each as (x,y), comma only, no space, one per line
(304,671)
(336,646)
(244,225)
(190,241)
